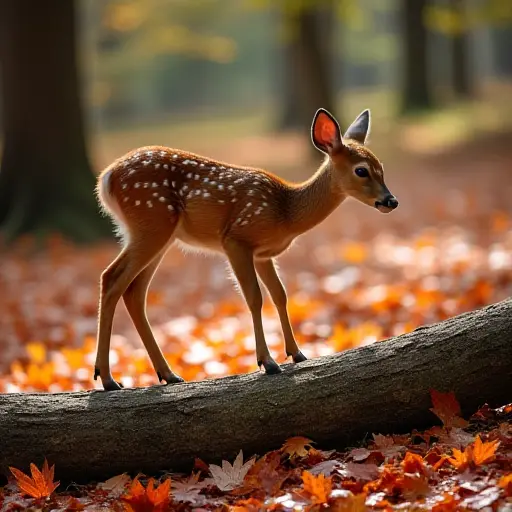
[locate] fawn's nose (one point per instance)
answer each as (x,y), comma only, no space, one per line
(390,202)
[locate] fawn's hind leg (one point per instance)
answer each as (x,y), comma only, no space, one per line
(141,249)
(135,300)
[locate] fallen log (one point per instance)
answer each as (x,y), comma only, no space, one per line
(335,400)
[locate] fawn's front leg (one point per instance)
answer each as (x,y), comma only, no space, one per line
(267,271)
(242,262)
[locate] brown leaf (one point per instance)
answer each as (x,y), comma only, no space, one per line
(447,409)
(296,446)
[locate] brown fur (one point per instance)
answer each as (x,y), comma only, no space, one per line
(157,195)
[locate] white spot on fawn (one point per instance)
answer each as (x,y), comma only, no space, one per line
(145,163)
(189,175)
(137,203)
(170,207)
(161,199)
(137,185)
(221,187)
(173,184)
(206,180)
(206,194)
(131,172)
(166,183)
(150,204)
(125,199)
(196,177)
(175,156)
(245,222)
(265,204)
(193,162)
(146,185)
(234,200)
(166,166)
(157,166)
(201,165)
(154,184)
(221,201)
(213,167)
(125,186)
(155,194)
(213,183)
(250,192)
(162,153)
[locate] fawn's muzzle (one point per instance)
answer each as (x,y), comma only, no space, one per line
(388,204)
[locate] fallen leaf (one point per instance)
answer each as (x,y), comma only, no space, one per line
(345,501)
(359,454)
(482,453)
(413,463)
(326,467)
(447,409)
(319,487)
(116,485)
(296,446)
(505,482)
(41,485)
(360,472)
(149,499)
(229,476)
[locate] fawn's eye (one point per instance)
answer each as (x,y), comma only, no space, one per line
(362,172)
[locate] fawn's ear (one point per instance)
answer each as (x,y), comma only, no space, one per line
(360,128)
(325,131)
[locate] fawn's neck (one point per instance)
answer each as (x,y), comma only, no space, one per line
(315,199)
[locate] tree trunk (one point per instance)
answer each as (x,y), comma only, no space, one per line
(308,83)
(416,91)
(462,80)
(502,40)
(335,400)
(46,182)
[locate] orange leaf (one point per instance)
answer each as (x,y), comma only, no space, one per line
(41,485)
(319,487)
(149,499)
(413,463)
(460,459)
(296,446)
(447,409)
(484,452)
(505,482)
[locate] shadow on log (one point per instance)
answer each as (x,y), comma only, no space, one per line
(335,400)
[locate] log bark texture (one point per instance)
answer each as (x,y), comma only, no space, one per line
(335,400)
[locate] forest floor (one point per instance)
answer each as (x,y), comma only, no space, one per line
(359,278)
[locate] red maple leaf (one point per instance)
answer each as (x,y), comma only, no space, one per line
(149,499)
(41,485)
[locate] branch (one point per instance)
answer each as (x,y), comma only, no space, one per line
(335,400)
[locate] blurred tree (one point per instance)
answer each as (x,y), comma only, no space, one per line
(416,92)
(462,80)
(46,182)
(502,42)
(307,56)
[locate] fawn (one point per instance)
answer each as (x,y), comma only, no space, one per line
(157,195)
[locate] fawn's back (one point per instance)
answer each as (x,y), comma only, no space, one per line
(211,200)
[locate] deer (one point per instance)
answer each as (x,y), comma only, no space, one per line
(157,196)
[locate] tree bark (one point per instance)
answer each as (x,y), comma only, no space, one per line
(462,79)
(416,92)
(46,181)
(335,400)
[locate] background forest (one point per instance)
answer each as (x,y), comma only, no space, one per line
(82,82)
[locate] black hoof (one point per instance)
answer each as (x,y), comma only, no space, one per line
(172,378)
(112,385)
(96,373)
(299,357)
(271,367)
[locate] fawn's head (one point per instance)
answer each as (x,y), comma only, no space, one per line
(358,171)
